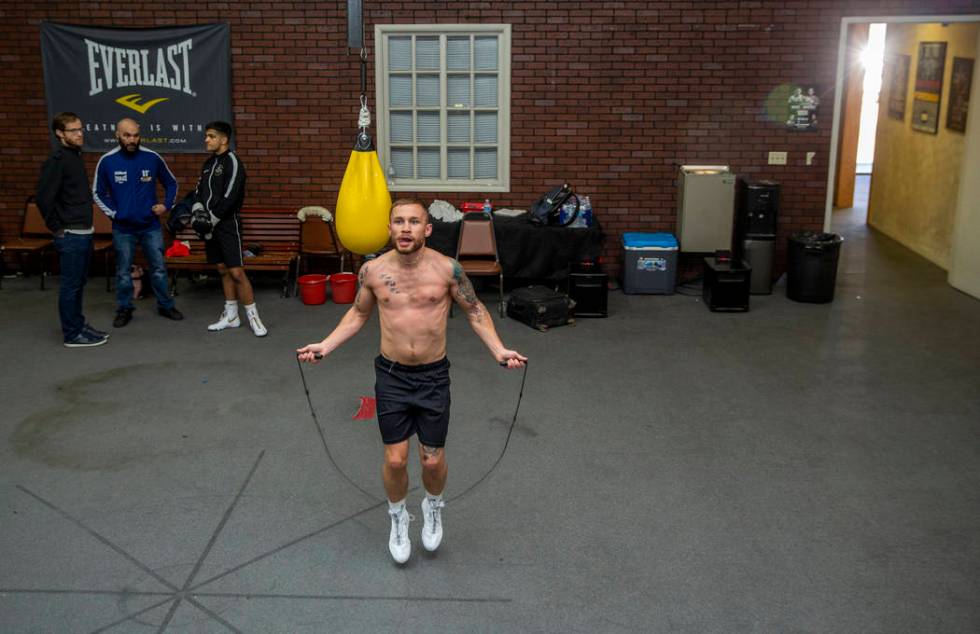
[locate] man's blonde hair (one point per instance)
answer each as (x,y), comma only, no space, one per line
(410,201)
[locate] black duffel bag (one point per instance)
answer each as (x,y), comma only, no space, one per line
(547,210)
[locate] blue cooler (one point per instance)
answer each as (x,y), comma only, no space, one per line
(649,263)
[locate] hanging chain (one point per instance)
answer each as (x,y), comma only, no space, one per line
(364,117)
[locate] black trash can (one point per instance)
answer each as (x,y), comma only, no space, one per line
(811,269)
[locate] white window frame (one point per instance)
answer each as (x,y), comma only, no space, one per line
(445,184)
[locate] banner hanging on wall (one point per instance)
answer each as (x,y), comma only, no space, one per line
(172,81)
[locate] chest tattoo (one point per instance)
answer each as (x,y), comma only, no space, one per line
(390,282)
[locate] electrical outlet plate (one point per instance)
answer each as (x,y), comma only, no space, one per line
(777,158)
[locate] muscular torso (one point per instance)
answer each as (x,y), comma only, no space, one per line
(413,304)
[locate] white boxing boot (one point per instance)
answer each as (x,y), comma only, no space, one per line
(229,318)
(399,544)
(432,521)
(253,320)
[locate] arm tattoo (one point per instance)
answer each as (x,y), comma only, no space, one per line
(360,284)
(466,292)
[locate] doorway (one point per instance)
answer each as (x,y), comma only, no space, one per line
(873,62)
(943,177)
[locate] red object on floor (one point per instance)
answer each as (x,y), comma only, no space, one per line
(313,288)
(343,287)
(367,409)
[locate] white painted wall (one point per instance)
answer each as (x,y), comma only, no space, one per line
(964,265)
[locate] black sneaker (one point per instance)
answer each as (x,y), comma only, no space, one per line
(170,313)
(123,317)
(85,340)
(94,332)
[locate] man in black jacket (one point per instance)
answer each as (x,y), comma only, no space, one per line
(64,197)
(218,200)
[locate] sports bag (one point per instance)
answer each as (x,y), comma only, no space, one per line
(547,209)
(540,307)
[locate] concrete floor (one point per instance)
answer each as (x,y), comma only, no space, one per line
(798,468)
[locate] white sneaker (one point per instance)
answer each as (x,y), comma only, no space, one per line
(257,327)
(398,542)
(226,321)
(431,523)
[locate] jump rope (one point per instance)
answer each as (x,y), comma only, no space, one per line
(326,447)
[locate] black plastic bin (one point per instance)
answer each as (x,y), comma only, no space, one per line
(811,269)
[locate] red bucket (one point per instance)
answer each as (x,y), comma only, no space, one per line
(343,287)
(313,289)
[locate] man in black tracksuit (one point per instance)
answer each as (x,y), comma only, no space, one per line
(65,200)
(220,192)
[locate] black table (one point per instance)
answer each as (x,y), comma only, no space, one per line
(528,251)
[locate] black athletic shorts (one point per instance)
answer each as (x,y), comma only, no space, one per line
(225,245)
(412,399)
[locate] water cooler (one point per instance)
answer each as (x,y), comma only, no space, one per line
(757,205)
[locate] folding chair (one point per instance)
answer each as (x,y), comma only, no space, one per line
(317,239)
(476,251)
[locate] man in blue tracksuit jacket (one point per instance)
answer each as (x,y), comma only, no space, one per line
(126,190)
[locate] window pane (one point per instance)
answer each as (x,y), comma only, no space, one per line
(400,91)
(458,89)
(458,128)
(401,162)
(446,116)
(458,163)
(485,163)
(427,90)
(428,127)
(401,127)
(458,53)
(486,91)
(429,163)
(485,130)
(486,53)
(399,53)
(427,53)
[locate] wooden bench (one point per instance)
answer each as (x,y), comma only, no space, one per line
(275,231)
(35,238)
(102,242)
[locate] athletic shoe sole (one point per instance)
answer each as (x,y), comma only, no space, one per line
(89,344)
(216,328)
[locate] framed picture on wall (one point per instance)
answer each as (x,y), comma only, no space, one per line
(959,93)
(898,85)
(802,105)
(928,86)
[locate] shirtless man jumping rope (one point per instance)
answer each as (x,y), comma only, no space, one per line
(413,286)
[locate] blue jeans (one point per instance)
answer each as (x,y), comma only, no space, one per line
(151,241)
(74,255)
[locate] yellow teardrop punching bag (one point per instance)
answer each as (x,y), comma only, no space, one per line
(363,202)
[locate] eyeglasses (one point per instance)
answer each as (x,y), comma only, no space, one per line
(72,130)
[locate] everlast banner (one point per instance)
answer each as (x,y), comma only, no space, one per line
(172,81)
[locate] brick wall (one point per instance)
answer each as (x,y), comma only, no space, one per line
(610,96)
